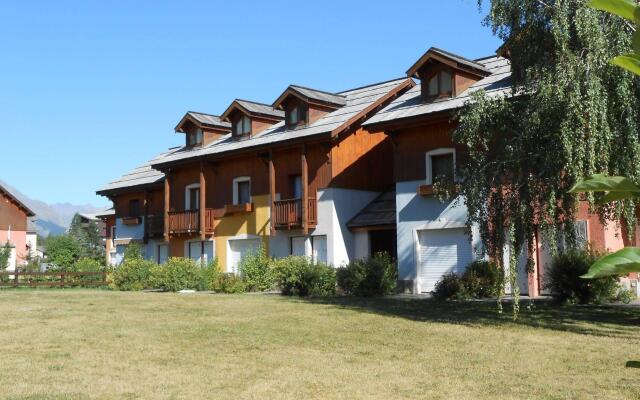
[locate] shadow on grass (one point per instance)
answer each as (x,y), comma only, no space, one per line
(606,320)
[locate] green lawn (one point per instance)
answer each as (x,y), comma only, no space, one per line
(60,344)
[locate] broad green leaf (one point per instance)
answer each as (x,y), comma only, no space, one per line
(630,62)
(603,183)
(619,263)
(626,9)
(616,196)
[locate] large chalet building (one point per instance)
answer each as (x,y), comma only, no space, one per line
(332,176)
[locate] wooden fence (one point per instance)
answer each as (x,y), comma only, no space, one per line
(49,279)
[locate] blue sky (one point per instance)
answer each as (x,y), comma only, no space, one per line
(91,89)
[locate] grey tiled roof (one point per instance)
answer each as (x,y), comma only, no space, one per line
(208,119)
(17,197)
(259,108)
(454,57)
(356,100)
(319,95)
(410,104)
(381,211)
(140,176)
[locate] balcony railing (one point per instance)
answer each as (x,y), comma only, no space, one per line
(288,213)
(155,225)
(189,221)
(184,221)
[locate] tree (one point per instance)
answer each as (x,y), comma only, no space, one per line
(5,254)
(617,188)
(570,114)
(63,252)
(88,236)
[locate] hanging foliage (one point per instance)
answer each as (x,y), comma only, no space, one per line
(571,114)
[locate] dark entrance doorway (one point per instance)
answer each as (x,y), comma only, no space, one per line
(383,240)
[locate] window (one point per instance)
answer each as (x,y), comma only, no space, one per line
(242,126)
(134,208)
(194,138)
(440,85)
(296,186)
(319,249)
(441,164)
(192,197)
(162,253)
(242,190)
(297,115)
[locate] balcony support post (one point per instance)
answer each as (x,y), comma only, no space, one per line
(305,191)
(167,204)
(145,213)
(203,204)
(272,193)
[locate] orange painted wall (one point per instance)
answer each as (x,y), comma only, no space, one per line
(11,214)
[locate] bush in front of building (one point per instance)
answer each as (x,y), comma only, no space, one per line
(376,276)
(255,269)
(566,286)
(483,279)
(132,274)
(229,283)
(175,275)
(298,276)
(450,287)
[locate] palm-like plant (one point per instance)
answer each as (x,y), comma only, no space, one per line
(617,187)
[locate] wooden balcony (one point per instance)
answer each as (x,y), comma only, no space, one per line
(155,226)
(188,222)
(288,213)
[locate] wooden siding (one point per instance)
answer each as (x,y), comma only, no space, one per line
(362,161)
(316,112)
(155,204)
(463,81)
(258,125)
(220,176)
(412,145)
(11,214)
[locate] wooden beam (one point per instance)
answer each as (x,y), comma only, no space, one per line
(145,207)
(167,205)
(357,119)
(272,192)
(305,191)
(203,202)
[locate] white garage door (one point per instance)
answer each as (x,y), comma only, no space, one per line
(238,249)
(441,251)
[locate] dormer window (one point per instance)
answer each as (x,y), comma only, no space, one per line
(242,126)
(297,115)
(194,138)
(440,85)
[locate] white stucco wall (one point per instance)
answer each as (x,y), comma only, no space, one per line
(414,213)
(335,208)
(129,231)
(362,246)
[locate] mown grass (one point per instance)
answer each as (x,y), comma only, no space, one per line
(61,344)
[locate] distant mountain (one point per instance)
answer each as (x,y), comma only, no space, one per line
(51,219)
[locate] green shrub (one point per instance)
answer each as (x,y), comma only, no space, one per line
(298,276)
(255,269)
(228,283)
(483,279)
(450,286)
(566,286)
(175,275)
(132,274)
(208,276)
(367,278)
